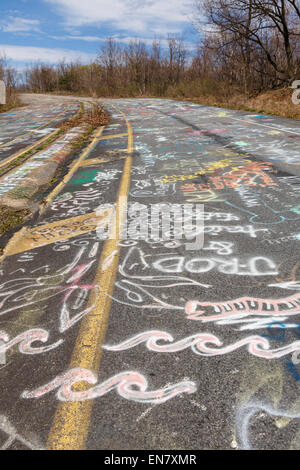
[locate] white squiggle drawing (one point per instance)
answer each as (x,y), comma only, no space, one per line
(66,320)
(26,291)
(124,383)
(247,412)
(290,285)
(70,205)
(107,175)
(137,287)
(30,290)
(25,341)
(12,436)
(199,344)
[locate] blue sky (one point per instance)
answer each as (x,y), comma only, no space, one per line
(50,30)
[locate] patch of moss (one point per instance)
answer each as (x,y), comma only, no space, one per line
(11,218)
(23,192)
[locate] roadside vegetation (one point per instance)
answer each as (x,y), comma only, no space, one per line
(10,218)
(247,58)
(91,119)
(10,77)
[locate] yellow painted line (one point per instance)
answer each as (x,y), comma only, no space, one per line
(13,242)
(17,155)
(36,128)
(98,161)
(17,237)
(92,161)
(76,165)
(65,229)
(72,419)
(113,136)
(27,149)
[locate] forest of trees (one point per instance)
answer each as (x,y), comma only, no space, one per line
(245,46)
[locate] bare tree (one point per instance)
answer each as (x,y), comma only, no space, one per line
(268,27)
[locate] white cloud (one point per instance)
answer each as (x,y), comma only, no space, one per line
(43,54)
(79,38)
(18,24)
(86,38)
(164,42)
(140,16)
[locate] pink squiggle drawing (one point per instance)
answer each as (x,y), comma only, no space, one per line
(151,339)
(242,307)
(25,341)
(123,383)
(199,344)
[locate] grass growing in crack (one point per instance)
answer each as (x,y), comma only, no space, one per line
(91,119)
(9,106)
(11,218)
(18,161)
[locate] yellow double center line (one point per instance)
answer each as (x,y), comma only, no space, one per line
(28,149)
(72,419)
(37,128)
(36,144)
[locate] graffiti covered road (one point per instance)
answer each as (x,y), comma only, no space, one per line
(24,127)
(130,343)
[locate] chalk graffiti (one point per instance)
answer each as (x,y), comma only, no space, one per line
(25,340)
(234,266)
(13,437)
(50,278)
(248,411)
(252,174)
(129,385)
(242,307)
(200,344)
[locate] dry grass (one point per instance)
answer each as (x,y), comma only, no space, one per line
(92,118)
(12,102)
(276,102)
(207,92)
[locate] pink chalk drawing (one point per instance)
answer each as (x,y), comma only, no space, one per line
(129,385)
(199,344)
(25,341)
(242,307)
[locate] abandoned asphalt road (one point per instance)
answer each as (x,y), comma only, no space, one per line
(22,128)
(133,343)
